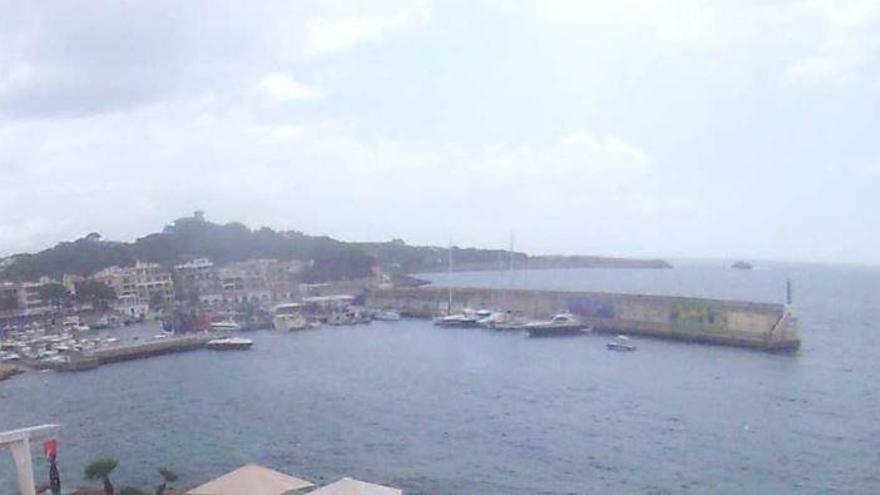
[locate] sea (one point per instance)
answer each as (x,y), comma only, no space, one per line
(465,411)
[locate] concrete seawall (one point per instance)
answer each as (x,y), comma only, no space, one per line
(738,323)
(90,360)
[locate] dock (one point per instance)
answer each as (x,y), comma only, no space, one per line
(764,326)
(89,360)
(8,371)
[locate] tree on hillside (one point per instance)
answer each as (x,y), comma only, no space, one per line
(8,303)
(53,293)
(100,469)
(96,293)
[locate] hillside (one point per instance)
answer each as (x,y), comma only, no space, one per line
(195,237)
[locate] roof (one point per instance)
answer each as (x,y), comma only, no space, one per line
(349,486)
(252,480)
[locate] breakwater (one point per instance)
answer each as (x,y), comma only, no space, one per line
(89,360)
(738,323)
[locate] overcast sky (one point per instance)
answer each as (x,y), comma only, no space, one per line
(741,129)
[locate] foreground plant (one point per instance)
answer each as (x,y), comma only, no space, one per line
(168,476)
(100,469)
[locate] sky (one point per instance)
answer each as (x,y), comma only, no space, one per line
(725,129)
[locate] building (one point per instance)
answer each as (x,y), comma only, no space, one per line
(253,480)
(138,287)
(256,281)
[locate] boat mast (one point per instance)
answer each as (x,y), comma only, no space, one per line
(449,280)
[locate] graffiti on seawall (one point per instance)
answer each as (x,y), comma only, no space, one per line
(697,315)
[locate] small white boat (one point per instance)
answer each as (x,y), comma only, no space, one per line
(466,319)
(225,326)
(622,343)
(286,322)
(229,344)
(386,315)
(503,321)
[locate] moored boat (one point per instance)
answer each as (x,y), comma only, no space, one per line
(466,319)
(229,344)
(621,343)
(386,315)
(289,317)
(561,324)
(225,326)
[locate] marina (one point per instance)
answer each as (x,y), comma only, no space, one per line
(442,410)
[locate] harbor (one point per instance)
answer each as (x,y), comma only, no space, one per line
(431,409)
(712,321)
(763,326)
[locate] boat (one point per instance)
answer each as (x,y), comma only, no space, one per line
(467,319)
(74,324)
(386,315)
(229,344)
(225,326)
(621,343)
(741,265)
(291,321)
(561,324)
(503,321)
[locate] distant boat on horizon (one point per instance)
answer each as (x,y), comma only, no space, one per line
(742,265)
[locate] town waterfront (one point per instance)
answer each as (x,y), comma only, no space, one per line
(436,410)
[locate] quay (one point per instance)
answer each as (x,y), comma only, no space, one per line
(754,325)
(89,360)
(8,371)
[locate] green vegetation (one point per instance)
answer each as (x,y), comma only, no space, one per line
(168,477)
(194,237)
(130,490)
(100,469)
(53,293)
(98,294)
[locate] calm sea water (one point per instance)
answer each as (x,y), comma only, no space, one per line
(469,411)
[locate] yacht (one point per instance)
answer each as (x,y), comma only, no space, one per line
(561,324)
(621,343)
(503,321)
(225,326)
(289,317)
(386,315)
(466,319)
(229,344)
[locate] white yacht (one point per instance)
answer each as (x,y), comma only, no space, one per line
(229,344)
(561,324)
(289,317)
(386,315)
(225,326)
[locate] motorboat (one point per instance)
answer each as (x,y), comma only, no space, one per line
(286,322)
(74,324)
(225,326)
(466,319)
(229,344)
(559,325)
(289,317)
(386,315)
(503,321)
(621,343)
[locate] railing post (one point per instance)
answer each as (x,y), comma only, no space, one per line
(21,454)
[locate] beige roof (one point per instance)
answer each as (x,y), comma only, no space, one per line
(252,480)
(348,486)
